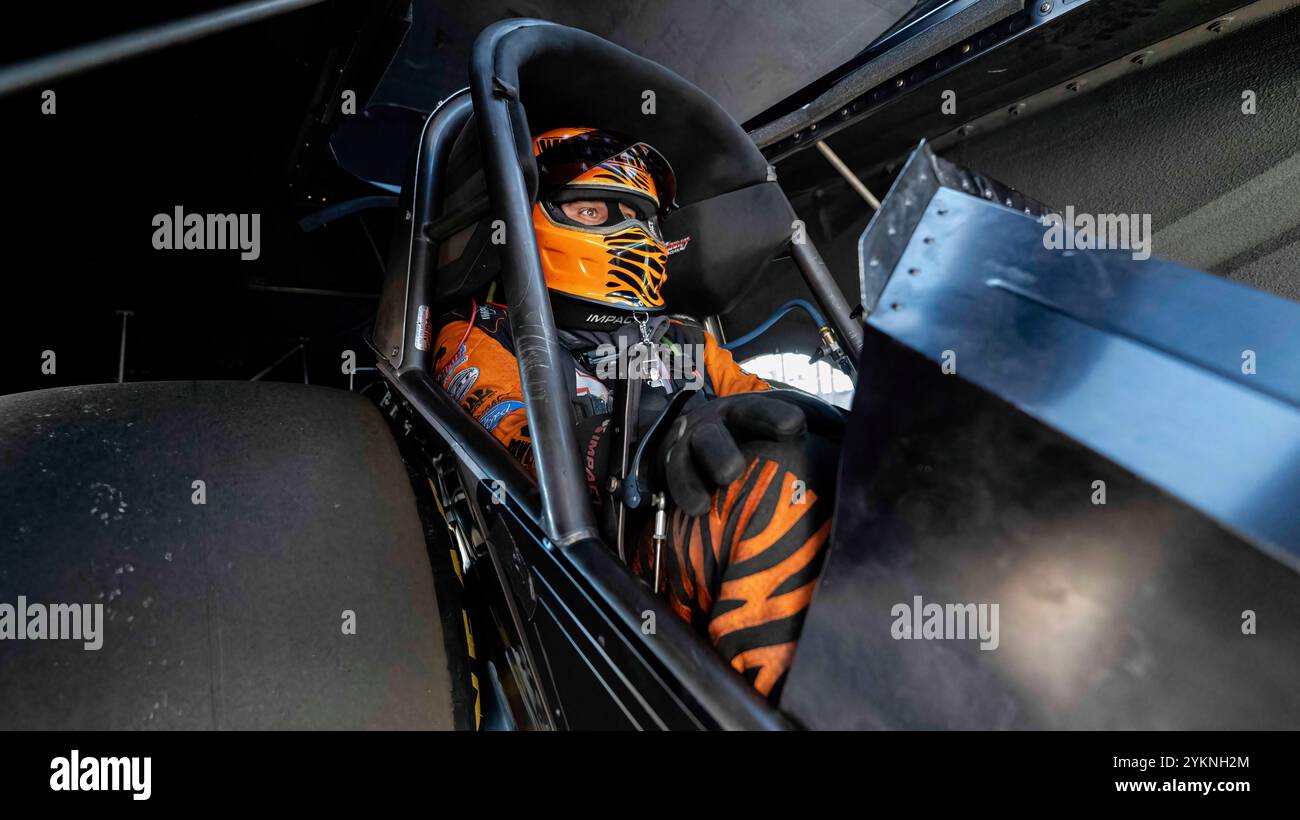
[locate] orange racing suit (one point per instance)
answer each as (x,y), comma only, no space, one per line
(743,573)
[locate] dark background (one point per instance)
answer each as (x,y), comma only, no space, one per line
(209,126)
(239,123)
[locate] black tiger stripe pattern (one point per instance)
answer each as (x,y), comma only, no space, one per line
(744,572)
(638,267)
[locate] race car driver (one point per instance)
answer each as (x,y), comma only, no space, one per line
(749,486)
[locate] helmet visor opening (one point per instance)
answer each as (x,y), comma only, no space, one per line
(607,159)
(598,211)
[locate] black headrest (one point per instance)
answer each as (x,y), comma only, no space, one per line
(567,77)
(721,247)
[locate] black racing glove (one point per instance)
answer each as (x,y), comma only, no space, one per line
(701,451)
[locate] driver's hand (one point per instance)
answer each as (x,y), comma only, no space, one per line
(701,451)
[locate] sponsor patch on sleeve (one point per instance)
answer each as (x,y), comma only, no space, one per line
(462,382)
(498,411)
(450,367)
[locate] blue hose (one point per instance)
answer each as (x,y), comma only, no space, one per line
(773,319)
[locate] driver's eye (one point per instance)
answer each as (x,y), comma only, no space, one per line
(586,212)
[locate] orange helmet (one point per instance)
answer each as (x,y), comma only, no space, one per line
(610,258)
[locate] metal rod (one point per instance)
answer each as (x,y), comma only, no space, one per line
(627,408)
(849,177)
(503,129)
(121,356)
(829,296)
(275,363)
(471,441)
(714,325)
(450,224)
(411,287)
(342,294)
(133,44)
(348,207)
